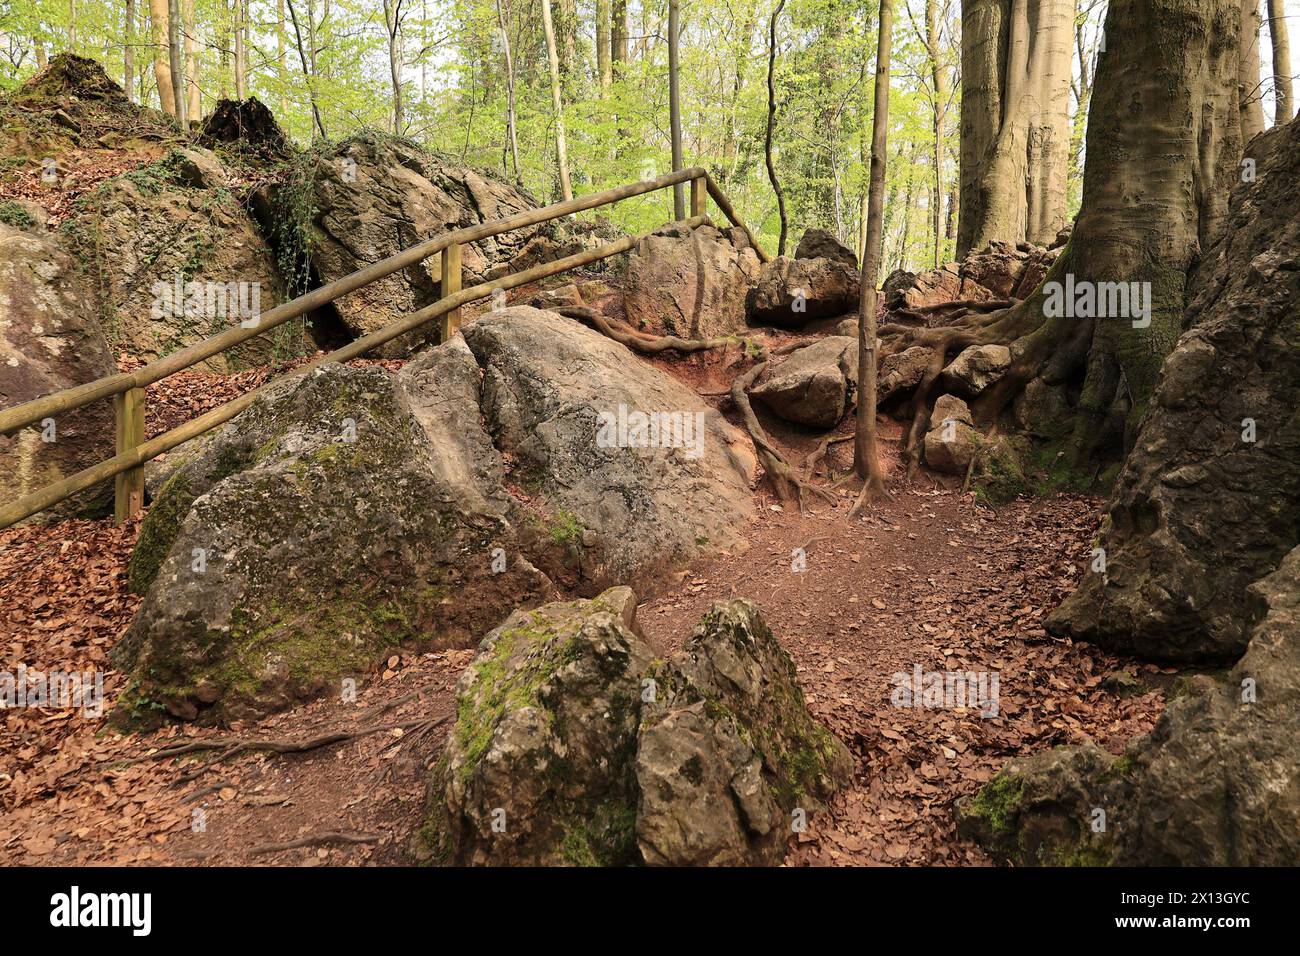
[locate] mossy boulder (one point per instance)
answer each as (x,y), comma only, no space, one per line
(538,768)
(575,745)
(331,521)
(730,763)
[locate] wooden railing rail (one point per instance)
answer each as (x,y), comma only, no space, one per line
(127,388)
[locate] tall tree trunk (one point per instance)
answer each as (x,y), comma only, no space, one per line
(675,109)
(393,25)
(603,70)
(1015,120)
(128,52)
(177,60)
(939,85)
(557,103)
(503,7)
(308,62)
(866,460)
(162,72)
(282,69)
(72,26)
(1282,86)
(241,50)
(194,109)
(771,125)
(1251,96)
(618,35)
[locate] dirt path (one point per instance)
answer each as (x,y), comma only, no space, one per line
(929,579)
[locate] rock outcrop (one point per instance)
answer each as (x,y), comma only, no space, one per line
(1216,783)
(372,196)
(998,272)
(814,386)
(576,745)
(792,292)
(1209,498)
(175,258)
(822,244)
(690,282)
(50,340)
(351,509)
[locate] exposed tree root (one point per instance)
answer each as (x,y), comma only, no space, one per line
(818,454)
(232,747)
(785,480)
(643,342)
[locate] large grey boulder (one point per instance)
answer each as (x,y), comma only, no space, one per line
(351,510)
(373,195)
(690,282)
(792,292)
(815,384)
(564,404)
(576,745)
(1209,498)
(1216,783)
(173,257)
(50,340)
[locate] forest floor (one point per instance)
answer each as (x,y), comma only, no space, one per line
(927,577)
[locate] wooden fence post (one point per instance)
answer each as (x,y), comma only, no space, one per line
(451,276)
(699,196)
(128,487)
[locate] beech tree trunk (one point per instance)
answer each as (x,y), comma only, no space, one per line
(603,46)
(128,52)
(177,60)
(1282,85)
(1163,152)
(194,109)
(557,102)
(162,72)
(866,460)
(771,126)
(1250,92)
(675,109)
(1015,122)
(503,20)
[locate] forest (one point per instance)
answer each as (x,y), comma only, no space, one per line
(595,433)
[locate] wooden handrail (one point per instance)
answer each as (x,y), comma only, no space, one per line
(133,452)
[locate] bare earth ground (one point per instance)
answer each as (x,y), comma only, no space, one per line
(928,577)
